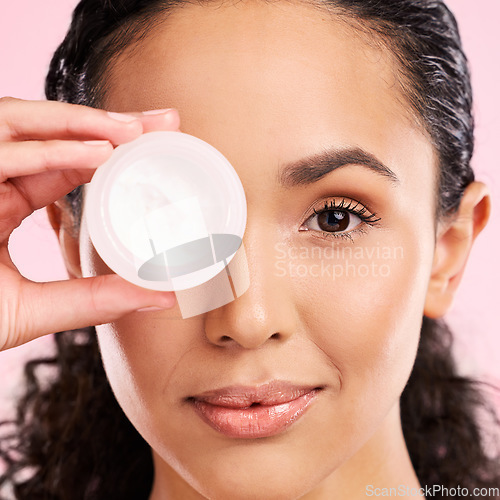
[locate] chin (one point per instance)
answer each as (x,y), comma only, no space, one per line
(262,469)
(244,484)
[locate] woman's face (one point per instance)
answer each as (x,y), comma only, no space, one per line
(335,300)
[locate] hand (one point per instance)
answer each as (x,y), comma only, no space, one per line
(46,150)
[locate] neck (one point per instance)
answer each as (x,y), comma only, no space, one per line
(382,462)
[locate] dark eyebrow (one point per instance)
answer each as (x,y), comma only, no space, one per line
(313,168)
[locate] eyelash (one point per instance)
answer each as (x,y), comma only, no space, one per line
(353,207)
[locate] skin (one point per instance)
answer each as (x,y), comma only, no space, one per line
(46,150)
(271,84)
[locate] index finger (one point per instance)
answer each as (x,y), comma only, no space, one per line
(38,120)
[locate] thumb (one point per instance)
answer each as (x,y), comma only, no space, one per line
(70,304)
(159,119)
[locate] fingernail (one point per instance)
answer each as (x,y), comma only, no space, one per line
(157,111)
(168,300)
(97,143)
(149,309)
(121,117)
(165,300)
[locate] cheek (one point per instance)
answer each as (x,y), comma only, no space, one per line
(138,355)
(365,313)
(138,350)
(145,357)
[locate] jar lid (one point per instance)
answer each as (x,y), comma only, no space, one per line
(167,211)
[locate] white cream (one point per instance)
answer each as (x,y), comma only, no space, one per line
(162,192)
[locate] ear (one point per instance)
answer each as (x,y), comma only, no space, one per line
(454,241)
(62,221)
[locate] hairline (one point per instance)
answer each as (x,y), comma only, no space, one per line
(127,36)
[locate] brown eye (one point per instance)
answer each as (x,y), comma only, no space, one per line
(333,221)
(340,219)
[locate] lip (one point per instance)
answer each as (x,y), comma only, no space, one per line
(247,412)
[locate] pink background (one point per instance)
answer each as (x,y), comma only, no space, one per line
(30,30)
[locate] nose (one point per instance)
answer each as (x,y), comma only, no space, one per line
(265,312)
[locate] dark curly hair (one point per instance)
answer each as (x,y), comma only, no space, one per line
(70,438)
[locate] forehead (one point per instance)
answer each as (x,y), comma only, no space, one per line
(258,69)
(253,49)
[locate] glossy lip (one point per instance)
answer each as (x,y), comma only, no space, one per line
(247,412)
